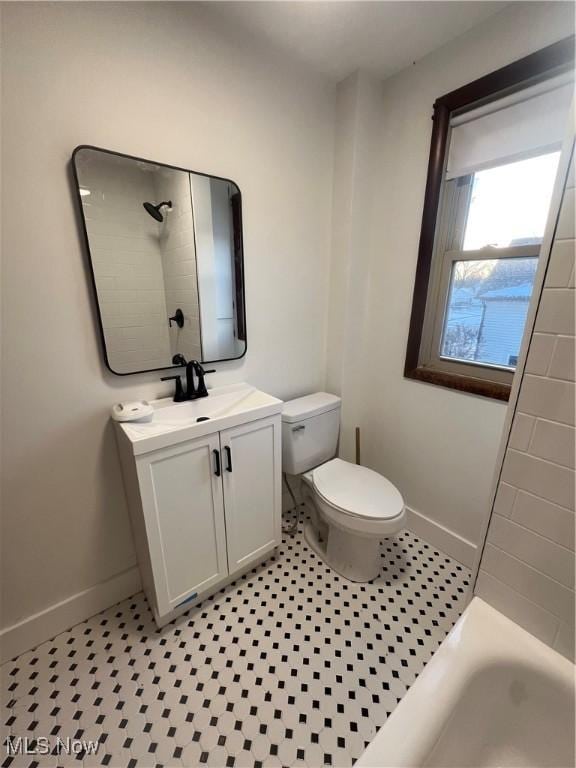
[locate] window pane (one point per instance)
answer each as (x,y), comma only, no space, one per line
(509,204)
(487,306)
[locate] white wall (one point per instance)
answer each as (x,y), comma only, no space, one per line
(439,446)
(156,81)
(358,125)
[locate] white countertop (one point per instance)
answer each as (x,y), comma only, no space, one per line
(174,423)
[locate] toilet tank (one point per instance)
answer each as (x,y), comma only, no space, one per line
(310,427)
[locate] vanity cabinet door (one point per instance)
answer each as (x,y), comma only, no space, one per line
(252,478)
(182,500)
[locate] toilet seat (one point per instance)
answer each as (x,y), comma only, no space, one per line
(352,509)
(357,491)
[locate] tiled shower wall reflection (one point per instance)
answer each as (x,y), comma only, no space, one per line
(527,568)
(128,265)
(176,238)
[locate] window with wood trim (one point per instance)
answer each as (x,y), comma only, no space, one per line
(493,161)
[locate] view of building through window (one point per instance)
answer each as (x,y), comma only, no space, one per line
(487,307)
(488,297)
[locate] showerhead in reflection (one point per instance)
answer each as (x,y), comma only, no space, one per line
(156,210)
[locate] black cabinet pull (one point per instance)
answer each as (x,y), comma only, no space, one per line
(217,460)
(229,457)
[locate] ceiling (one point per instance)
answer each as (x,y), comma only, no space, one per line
(335,38)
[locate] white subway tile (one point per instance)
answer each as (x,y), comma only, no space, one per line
(563,364)
(535,586)
(539,477)
(565,227)
(533,618)
(521,431)
(570,181)
(542,516)
(527,568)
(540,353)
(113,335)
(542,554)
(137,356)
(189,296)
(126,282)
(182,296)
(560,265)
(185,267)
(554,442)
(119,297)
(103,267)
(505,497)
(184,252)
(147,282)
(564,642)
(188,283)
(104,283)
(124,244)
(181,238)
(548,398)
(556,312)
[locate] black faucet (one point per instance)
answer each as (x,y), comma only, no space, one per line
(201,390)
(179,394)
(190,388)
(192,392)
(178,360)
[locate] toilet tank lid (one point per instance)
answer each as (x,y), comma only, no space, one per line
(309,405)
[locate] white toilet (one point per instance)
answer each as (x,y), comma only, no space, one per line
(352,507)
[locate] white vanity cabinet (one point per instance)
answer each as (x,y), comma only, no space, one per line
(204,497)
(252,487)
(183,508)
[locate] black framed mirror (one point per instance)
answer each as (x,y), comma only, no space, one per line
(167,260)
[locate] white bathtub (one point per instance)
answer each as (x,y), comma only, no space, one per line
(492,695)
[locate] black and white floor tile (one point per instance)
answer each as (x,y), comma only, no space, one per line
(289,666)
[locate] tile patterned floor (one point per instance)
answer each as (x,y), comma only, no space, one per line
(290,665)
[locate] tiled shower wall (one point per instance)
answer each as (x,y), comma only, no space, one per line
(527,567)
(128,265)
(179,262)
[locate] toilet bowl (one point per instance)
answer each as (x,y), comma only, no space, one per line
(352,508)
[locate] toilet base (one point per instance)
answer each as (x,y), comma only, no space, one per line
(356,558)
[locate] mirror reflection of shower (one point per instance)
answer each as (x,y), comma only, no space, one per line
(184,254)
(156,210)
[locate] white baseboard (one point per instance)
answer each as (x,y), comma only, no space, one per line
(42,626)
(443,538)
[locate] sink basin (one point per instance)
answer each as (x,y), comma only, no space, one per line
(176,422)
(214,406)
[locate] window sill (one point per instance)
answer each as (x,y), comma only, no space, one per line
(468,384)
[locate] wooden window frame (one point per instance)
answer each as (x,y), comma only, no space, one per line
(539,65)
